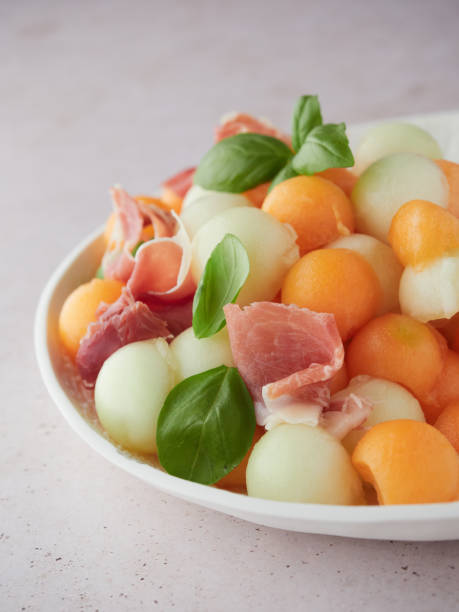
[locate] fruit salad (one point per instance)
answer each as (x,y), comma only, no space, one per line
(283,319)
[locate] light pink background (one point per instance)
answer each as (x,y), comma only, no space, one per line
(93,93)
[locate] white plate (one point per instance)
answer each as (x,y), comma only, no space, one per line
(410,522)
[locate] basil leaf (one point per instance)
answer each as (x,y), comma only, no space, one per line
(326,146)
(137,247)
(286,173)
(206,426)
(241,162)
(306,116)
(224,275)
(100,272)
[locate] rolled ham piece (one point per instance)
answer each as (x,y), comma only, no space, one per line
(180,183)
(156,301)
(161,266)
(242,123)
(287,356)
(126,320)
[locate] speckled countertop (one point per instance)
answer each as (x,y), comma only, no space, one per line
(94,93)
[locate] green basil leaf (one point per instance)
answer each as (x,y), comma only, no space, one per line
(326,146)
(100,272)
(137,247)
(306,116)
(206,426)
(224,275)
(241,162)
(286,173)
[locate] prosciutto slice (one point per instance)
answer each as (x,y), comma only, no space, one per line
(286,356)
(131,217)
(118,324)
(181,182)
(160,267)
(242,123)
(177,315)
(345,414)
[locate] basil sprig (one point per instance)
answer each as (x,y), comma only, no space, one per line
(306,117)
(224,275)
(326,146)
(240,162)
(206,426)
(243,161)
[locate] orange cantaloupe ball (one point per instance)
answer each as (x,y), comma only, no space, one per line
(408,462)
(342,177)
(338,281)
(446,388)
(317,209)
(79,310)
(451,171)
(235,480)
(384,262)
(448,423)
(422,231)
(398,348)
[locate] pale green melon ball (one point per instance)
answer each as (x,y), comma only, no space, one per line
(389,138)
(432,292)
(194,355)
(298,463)
(130,391)
(205,204)
(193,194)
(384,263)
(271,248)
(391,182)
(390,402)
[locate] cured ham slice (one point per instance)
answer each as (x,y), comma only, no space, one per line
(304,406)
(160,270)
(163,221)
(284,352)
(118,264)
(131,217)
(180,183)
(345,414)
(121,323)
(177,315)
(241,123)
(161,266)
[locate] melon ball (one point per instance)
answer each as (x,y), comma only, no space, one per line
(130,391)
(197,193)
(384,263)
(389,138)
(431,292)
(390,401)
(298,463)
(194,355)
(271,248)
(193,194)
(206,205)
(391,182)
